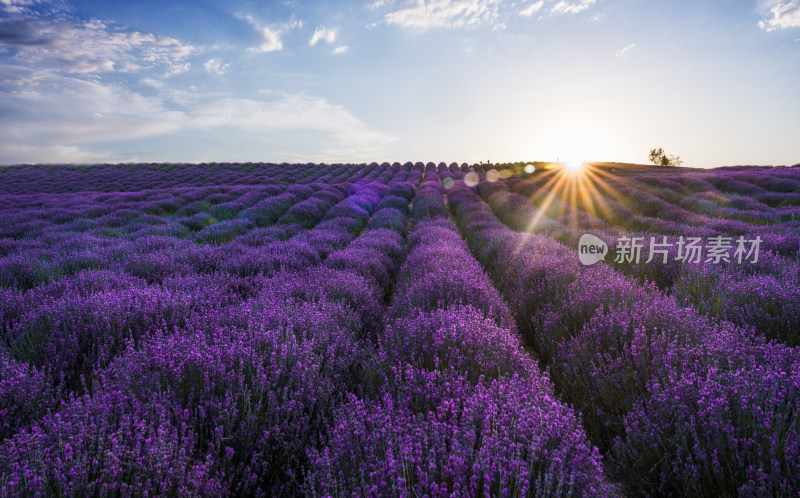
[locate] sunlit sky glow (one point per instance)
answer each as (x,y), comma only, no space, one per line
(715,82)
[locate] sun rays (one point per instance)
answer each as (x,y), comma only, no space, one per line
(583,187)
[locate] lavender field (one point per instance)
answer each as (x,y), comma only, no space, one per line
(398,330)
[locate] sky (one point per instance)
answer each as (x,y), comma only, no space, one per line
(714,82)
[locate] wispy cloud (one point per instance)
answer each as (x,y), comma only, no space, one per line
(782,15)
(379,4)
(216,66)
(270,41)
(71,87)
(83,47)
(622,51)
(288,111)
(14,6)
(94,66)
(270,38)
(440,13)
(42,125)
(300,113)
(18,7)
(426,14)
(323,34)
(564,7)
(270,35)
(532,9)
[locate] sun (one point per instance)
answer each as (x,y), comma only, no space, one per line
(573,164)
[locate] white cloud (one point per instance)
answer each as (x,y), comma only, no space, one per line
(152,82)
(90,46)
(565,7)
(293,24)
(532,9)
(41,125)
(51,154)
(216,66)
(14,6)
(426,14)
(270,36)
(442,13)
(270,41)
(323,34)
(57,105)
(379,4)
(282,112)
(24,6)
(177,69)
(285,112)
(44,126)
(96,66)
(625,49)
(783,15)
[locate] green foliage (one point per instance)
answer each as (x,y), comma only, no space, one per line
(660,158)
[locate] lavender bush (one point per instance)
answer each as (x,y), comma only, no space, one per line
(267,329)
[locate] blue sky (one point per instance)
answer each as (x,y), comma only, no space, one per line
(715,82)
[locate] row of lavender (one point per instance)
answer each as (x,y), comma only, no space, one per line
(208,379)
(290,381)
(115,178)
(748,293)
(175,211)
(264,360)
(135,177)
(620,200)
(55,236)
(753,195)
(678,403)
(457,407)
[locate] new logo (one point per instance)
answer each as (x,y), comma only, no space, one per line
(591,249)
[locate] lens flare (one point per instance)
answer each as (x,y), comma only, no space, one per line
(471,179)
(573,164)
